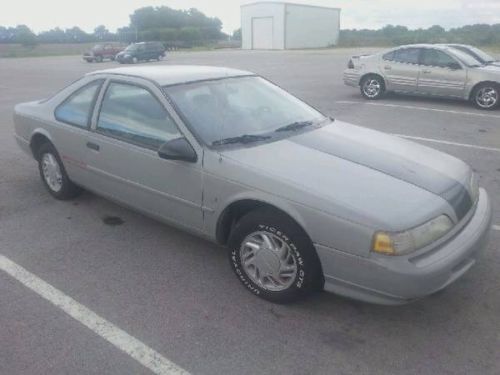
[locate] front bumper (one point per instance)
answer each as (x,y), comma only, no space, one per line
(351,77)
(400,279)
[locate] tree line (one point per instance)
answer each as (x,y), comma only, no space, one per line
(479,34)
(171,26)
(186,28)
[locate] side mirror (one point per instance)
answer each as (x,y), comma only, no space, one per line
(178,149)
(454,66)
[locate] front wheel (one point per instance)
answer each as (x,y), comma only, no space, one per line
(54,175)
(372,87)
(273,257)
(487,96)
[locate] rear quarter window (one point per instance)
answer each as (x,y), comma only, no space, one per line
(407,56)
(77,108)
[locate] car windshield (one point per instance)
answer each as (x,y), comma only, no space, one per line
(466,58)
(97,47)
(240,110)
(481,54)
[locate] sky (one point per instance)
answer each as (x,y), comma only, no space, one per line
(42,15)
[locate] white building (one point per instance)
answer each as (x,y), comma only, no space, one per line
(279,25)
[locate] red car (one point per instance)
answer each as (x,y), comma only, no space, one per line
(100,52)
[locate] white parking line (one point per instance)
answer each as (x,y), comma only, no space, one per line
(146,356)
(496,227)
(487,115)
(467,145)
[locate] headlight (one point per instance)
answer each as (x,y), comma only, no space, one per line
(406,242)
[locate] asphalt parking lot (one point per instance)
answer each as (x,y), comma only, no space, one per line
(176,295)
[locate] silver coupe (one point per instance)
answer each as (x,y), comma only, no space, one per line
(428,70)
(301,201)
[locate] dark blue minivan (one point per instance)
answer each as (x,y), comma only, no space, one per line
(143,51)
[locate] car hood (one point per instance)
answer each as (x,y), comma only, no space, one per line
(491,69)
(362,175)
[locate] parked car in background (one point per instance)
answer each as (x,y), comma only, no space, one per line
(480,55)
(101,52)
(143,51)
(303,202)
(425,69)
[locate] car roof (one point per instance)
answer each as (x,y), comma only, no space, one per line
(424,45)
(165,75)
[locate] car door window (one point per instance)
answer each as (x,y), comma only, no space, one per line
(434,57)
(131,113)
(407,55)
(77,108)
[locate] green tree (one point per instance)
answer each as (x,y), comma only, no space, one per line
(101,33)
(236,34)
(158,23)
(25,36)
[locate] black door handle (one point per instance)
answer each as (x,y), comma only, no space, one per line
(93,146)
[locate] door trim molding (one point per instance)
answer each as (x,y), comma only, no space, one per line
(147,188)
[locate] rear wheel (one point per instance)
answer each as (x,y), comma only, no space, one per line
(54,175)
(98,59)
(486,96)
(273,257)
(372,87)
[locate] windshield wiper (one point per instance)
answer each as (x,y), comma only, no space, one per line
(294,126)
(245,138)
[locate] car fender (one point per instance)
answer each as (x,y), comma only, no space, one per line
(267,199)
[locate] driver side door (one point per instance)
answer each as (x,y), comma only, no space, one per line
(130,125)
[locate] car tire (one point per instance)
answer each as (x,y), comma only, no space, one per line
(372,87)
(273,257)
(54,175)
(159,58)
(486,96)
(98,59)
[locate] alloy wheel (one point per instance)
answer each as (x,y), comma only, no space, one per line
(268,261)
(372,88)
(487,97)
(52,172)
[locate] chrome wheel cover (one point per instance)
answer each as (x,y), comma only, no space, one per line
(487,97)
(268,261)
(52,172)
(372,88)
